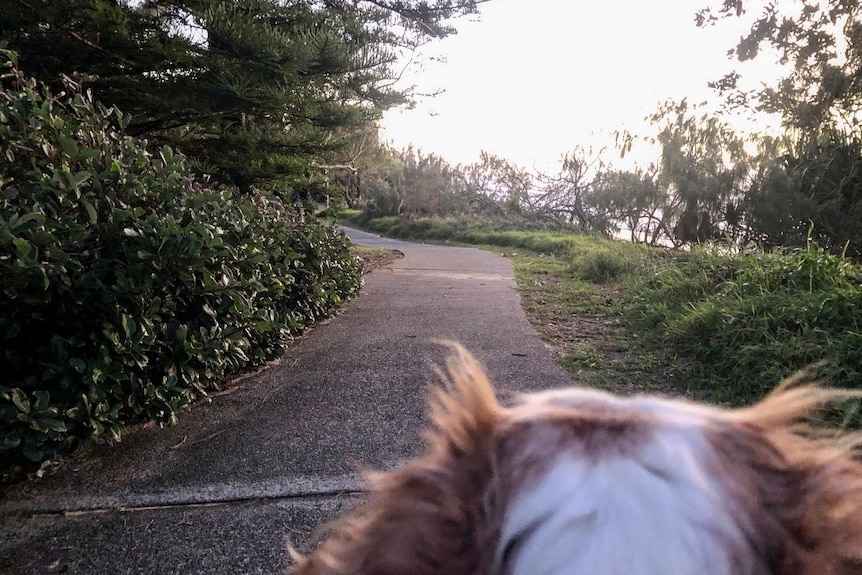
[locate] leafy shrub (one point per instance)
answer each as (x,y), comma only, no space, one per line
(384,202)
(127,287)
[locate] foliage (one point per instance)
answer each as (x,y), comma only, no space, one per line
(812,177)
(466,230)
(251,90)
(703,162)
(498,186)
(580,322)
(635,201)
(603,266)
(129,288)
(421,184)
(361,171)
(493,190)
(815,195)
(715,185)
(819,43)
(751,319)
(569,194)
(711,183)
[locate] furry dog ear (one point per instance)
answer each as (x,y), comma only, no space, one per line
(466,408)
(821,477)
(430,516)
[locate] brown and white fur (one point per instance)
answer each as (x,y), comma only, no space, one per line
(585,483)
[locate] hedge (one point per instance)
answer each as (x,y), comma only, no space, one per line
(128,287)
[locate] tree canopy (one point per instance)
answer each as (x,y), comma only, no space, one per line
(809,186)
(820,43)
(251,90)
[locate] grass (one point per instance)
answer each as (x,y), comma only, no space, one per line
(751,319)
(583,323)
(726,328)
(463,231)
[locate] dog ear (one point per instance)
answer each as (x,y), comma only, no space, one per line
(465,410)
(820,475)
(429,516)
(831,500)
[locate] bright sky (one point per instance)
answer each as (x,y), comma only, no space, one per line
(533,78)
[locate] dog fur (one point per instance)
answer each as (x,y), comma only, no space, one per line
(585,483)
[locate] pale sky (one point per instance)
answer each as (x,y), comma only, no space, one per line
(533,78)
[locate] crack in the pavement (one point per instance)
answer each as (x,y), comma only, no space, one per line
(68,501)
(192,505)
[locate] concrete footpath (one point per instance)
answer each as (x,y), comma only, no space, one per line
(224,489)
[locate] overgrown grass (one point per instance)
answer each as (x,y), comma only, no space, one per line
(722,327)
(749,320)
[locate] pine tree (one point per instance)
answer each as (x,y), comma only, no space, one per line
(252,90)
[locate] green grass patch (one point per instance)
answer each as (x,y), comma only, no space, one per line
(583,323)
(750,320)
(461,230)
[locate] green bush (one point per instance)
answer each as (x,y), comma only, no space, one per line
(383,203)
(127,287)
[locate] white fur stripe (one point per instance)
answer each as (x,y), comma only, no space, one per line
(656,513)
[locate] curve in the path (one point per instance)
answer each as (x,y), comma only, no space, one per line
(349,396)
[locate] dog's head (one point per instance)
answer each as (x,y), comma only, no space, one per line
(582,482)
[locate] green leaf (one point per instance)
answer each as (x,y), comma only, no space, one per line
(129,325)
(54,424)
(12,330)
(43,399)
(45,238)
(80,178)
(60,348)
(69,146)
(78,364)
(22,248)
(33,454)
(91,211)
(16,223)
(11,442)
(98,428)
(21,401)
(155,305)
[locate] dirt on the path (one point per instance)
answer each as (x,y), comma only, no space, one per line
(375,258)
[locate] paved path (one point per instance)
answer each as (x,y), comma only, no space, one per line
(222,490)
